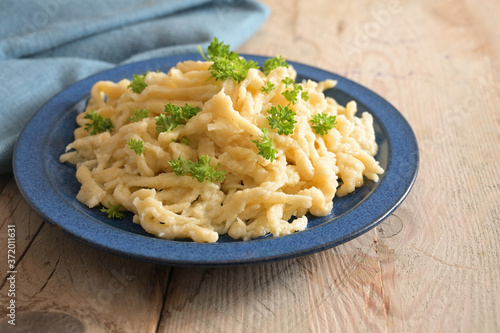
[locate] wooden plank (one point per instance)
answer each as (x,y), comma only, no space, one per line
(434,264)
(289,296)
(61,280)
(351,286)
(15,211)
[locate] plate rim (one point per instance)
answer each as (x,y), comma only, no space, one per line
(280,248)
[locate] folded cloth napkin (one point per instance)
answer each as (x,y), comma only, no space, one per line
(46,45)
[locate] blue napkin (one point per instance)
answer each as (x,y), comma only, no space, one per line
(46,45)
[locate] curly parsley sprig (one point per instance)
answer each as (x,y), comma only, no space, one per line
(322,123)
(268,88)
(186,141)
(175,116)
(274,63)
(136,145)
(97,123)
(235,69)
(199,170)
(218,49)
(138,114)
(282,118)
(226,64)
(304,95)
(288,81)
(292,91)
(113,211)
(292,95)
(266,146)
(138,84)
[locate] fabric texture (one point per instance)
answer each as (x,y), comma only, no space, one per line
(46,45)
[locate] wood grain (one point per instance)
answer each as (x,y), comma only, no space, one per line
(14,209)
(95,291)
(432,266)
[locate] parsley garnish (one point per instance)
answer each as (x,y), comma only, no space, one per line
(199,170)
(186,141)
(266,147)
(181,166)
(292,92)
(273,63)
(136,145)
(219,49)
(322,123)
(226,64)
(267,89)
(288,81)
(182,113)
(113,211)
(281,118)
(97,123)
(202,170)
(164,123)
(175,116)
(226,68)
(138,114)
(291,95)
(304,96)
(138,84)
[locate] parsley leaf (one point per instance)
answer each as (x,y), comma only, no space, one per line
(322,123)
(282,118)
(288,81)
(136,145)
(186,141)
(164,123)
(138,84)
(97,123)
(175,116)
(292,95)
(138,114)
(202,170)
(292,92)
(182,114)
(267,89)
(226,64)
(274,63)
(113,211)
(304,96)
(227,68)
(219,49)
(266,147)
(181,166)
(199,170)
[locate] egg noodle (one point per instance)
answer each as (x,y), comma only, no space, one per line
(256,196)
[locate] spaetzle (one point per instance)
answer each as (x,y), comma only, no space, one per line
(256,196)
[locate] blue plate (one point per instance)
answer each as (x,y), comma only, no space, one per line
(51,187)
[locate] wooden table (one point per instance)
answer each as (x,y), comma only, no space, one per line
(432,266)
